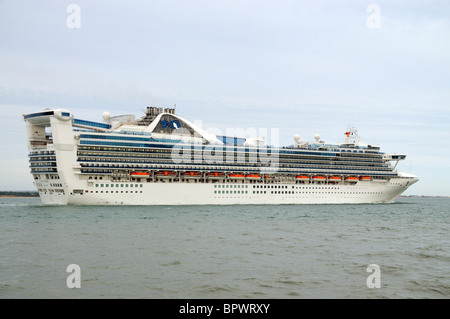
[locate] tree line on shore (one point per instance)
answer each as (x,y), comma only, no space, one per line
(18,194)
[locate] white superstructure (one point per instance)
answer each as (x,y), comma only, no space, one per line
(163,159)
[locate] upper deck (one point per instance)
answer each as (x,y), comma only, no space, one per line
(171,141)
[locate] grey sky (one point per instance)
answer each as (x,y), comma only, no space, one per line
(304,67)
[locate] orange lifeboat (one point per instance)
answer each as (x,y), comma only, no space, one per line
(192,175)
(365,178)
(334,179)
(215,175)
(140,174)
(319,178)
(253,176)
(302,178)
(351,179)
(166,174)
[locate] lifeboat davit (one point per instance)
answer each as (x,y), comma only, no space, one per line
(253,176)
(302,178)
(165,174)
(140,174)
(365,178)
(192,175)
(215,175)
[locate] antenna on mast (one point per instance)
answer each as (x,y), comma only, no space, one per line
(351,136)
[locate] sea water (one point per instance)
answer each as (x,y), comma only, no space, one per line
(398,250)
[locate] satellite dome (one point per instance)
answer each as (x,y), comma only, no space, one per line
(317,137)
(106,116)
(296,138)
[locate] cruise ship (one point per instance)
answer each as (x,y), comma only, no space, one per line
(164,159)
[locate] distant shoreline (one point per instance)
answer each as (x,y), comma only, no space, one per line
(13,196)
(21,194)
(423,196)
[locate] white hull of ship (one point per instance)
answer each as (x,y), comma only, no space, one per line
(166,193)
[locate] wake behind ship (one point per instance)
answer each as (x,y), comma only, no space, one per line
(163,159)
